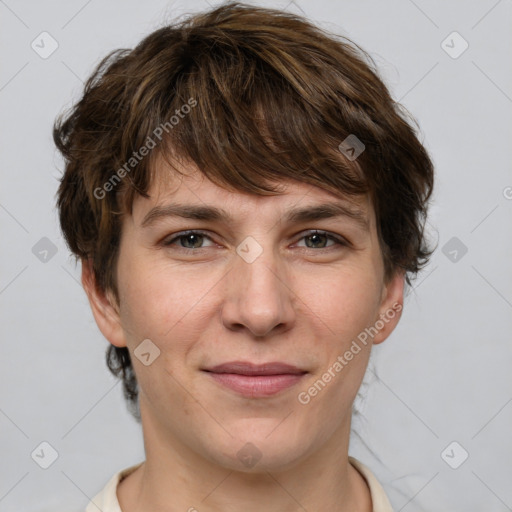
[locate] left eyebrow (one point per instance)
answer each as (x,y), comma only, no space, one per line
(293,216)
(327,211)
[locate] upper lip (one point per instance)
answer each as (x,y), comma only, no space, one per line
(247,368)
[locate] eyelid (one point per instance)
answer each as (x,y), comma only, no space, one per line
(338,239)
(176,236)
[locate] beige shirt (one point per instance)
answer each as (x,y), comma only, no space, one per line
(106,500)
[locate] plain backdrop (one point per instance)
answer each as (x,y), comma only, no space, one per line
(443,390)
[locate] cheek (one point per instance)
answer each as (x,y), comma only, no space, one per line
(160,299)
(164,306)
(345,303)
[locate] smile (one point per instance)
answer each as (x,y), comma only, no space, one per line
(256,381)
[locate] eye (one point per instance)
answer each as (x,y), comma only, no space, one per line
(318,239)
(192,240)
(189,240)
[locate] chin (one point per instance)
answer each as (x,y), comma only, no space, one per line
(257,451)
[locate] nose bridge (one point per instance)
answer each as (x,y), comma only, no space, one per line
(257,296)
(261,277)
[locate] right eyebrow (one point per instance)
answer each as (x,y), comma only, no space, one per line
(196,212)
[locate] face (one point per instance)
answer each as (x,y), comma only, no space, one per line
(258,312)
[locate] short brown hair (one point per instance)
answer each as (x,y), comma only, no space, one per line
(258,96)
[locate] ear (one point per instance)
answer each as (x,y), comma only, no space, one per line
(104,307)
(392,304)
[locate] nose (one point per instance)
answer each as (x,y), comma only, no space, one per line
(258,296)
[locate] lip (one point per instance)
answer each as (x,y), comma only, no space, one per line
(247,368)
(256,380)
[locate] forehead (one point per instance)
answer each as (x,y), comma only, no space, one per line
(183,191)
(184,183)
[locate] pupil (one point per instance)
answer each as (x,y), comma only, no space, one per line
(190,238)
(315,237)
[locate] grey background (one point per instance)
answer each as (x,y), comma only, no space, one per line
(444,375)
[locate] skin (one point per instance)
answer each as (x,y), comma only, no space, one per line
(302,301)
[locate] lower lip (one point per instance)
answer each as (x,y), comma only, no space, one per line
(256,385)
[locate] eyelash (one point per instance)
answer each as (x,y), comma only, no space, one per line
(169,242)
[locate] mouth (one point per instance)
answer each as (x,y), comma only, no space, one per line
(256,380)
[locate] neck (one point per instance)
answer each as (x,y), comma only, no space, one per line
(176,475)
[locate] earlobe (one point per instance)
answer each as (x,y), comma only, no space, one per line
(391,307)
(103,306)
